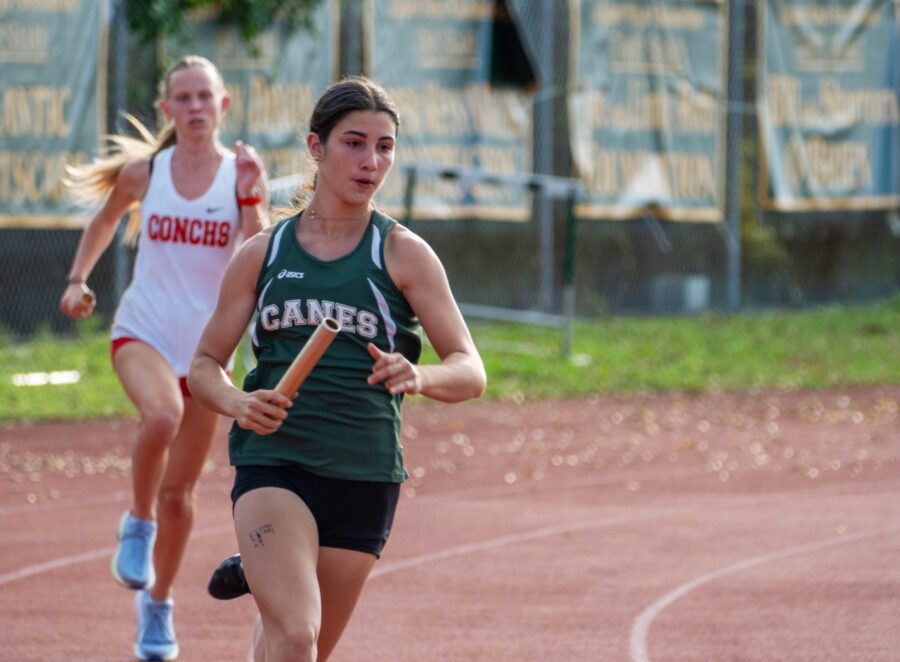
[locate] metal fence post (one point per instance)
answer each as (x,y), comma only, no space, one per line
(119,96)
(734,108)
(570,260)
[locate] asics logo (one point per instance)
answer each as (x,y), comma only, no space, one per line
(284,273)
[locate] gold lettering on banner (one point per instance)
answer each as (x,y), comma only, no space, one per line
(827,56)
(458,10)
(432,110)
(663,16)
(446,48)
(474,126)
(237,109)
(688,110)
(231,53)
(783,100)
(827,166)
(598,109)
(796,15)
(834,104)
(499,114)
(696,111)
(642,109)
(642,173)
(38,111)
(878,106)
(284,161)
(606,176)
(651,54)
(31,177)
(277,107)
(23,44)
(40,6)
(452,114)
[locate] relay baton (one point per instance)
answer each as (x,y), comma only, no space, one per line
(306,360)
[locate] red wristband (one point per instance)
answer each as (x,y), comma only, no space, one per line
(250,201)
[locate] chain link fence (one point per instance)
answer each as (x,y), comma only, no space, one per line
(641,266)
(649,265)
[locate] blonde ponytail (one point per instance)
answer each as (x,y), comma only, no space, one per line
(90,184)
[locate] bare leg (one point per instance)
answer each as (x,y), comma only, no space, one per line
(342,574)
(258,652)
(175,504)
(279,545)
(153,388)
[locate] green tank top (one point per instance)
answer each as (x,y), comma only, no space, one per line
(339,425)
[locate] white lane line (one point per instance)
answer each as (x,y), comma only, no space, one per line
(641,625)
(75,502)
(563,484)
(510,539)
(381,570)
(545,532)
(493,543)
(90,500)
(92,555)
(500,490)
(55,564)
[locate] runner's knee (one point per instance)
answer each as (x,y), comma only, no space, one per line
(294,641)
(160,424)
(176,500)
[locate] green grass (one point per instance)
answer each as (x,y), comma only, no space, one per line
(826,347)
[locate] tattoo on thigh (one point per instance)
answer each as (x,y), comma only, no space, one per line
(258,535)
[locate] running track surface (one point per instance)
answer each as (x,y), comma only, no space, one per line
(734,527)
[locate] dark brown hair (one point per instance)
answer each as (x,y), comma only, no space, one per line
(348,95)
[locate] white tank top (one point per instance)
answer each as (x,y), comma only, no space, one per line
(183,249)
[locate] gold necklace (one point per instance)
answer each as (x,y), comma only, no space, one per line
(316,216)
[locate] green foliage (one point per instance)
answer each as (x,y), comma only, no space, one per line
(149,19)
(835,346)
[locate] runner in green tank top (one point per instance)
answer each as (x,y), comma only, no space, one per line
(349,428)
(317,477)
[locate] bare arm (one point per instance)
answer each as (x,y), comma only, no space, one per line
(419,274)
(251,182)
(131,184)
(261,411)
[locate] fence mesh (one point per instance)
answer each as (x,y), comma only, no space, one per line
(653,266)
(641,266)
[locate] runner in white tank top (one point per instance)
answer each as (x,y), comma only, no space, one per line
(183,250)
(197,201)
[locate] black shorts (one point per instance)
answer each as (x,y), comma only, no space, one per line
(350,514)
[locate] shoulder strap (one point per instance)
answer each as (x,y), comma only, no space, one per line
(277,239)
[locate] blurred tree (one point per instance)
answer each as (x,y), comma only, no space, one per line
(149,19)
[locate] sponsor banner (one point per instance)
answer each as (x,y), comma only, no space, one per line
(52,105)
(647,109)
(273,82)
(829,117)
(434,58)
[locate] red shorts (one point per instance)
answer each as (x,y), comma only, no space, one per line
(118,342)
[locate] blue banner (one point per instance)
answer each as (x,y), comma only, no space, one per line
(829,104)
(434,58)
(52,105)
(647,112)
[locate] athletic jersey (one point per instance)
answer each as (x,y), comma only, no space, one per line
(339,425)
(183,249)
